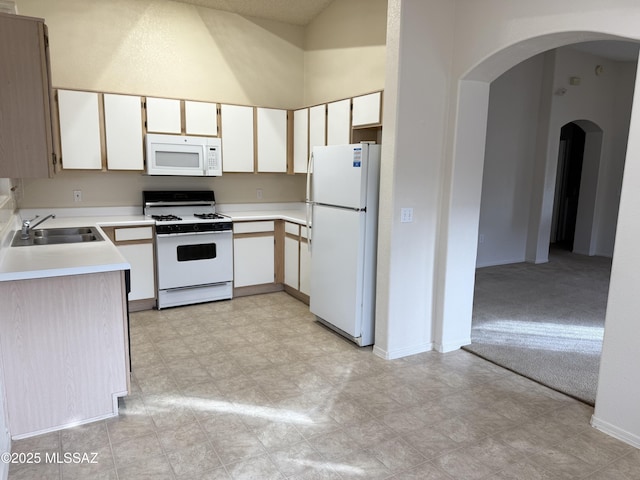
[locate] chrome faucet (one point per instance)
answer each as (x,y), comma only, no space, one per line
(27,224)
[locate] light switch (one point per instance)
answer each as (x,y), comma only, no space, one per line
(406,215)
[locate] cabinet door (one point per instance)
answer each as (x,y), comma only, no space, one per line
(366,109)
(201,118)
(305,268)
(163,115)
(339,122)
(253,261)
(80,130)
(123,132)
(271,126)
(317,126)
(140,257)
(237,138)
(26,138)
(300,140)
(291,248)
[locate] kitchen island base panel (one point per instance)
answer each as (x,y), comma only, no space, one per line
(64,350)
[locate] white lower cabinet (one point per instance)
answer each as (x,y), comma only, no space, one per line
(297,261)
(253,253)
(140,257)
(305,266)
(136,244)
(291,265)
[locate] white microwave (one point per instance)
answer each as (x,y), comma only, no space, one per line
(183,155)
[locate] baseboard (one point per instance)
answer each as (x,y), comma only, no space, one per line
(496,263)
(140,305)
(304,298)
(452,346)
(257,289)
(65,425)
(615,432)
(402,352)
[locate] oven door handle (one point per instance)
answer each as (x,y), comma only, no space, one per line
(217,232)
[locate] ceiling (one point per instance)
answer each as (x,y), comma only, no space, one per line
(295,12)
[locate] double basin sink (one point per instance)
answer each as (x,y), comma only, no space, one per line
(54,236)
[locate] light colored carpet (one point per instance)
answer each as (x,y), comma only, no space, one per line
(544,321)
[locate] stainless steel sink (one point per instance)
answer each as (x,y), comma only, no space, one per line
(53,236)
(54,232)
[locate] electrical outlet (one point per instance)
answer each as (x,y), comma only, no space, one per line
(259,194)
(77,195)
(481,238)
(406,215)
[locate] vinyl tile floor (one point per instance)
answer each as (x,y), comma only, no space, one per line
(254,388)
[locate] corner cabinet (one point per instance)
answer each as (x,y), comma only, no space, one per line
(26,123)
(300,140)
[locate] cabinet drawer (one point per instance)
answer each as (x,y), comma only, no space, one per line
(304,233)
(253,227)
(135,233)
(292,228)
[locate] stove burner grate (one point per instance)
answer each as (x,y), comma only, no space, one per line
(165,218)
(209,216)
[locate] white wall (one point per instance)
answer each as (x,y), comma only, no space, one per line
(172,49)
(611,173)
(345,50)
(412,150)
(596,100)
(512,126)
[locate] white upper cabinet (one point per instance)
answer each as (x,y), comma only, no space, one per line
(163,115)
(237,138)
(79,116)
(201,118)
(300,140)
(272,139)
(339,122)
(317,126)
(123,132)
(366,109)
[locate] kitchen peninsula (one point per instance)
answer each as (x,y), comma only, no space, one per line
(64,339)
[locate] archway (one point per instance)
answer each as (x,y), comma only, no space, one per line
(460,223)
(579,158)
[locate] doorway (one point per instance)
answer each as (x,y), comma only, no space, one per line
(570,159)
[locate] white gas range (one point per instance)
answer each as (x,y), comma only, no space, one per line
(194,246)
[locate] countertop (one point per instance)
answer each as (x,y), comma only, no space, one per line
(41,261)
(296,216)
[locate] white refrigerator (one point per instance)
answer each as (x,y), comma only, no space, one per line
(342,195)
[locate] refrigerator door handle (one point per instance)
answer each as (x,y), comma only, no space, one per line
(309,203)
